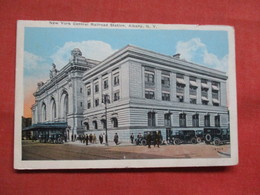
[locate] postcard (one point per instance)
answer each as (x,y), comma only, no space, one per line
(124,95)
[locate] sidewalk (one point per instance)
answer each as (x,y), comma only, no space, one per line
(110,143)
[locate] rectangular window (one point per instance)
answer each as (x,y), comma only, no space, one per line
(88,91)
(207,120)
(89,104)
(217,121)
(193,101)
(116,96)
(195,120)
(116,79)
(182,120)
(149,77)
(105,84)
(149,94)
(165,81)
(96,88)
(165,96)
(167,120)
(96,102)
(81,104)
(151,119)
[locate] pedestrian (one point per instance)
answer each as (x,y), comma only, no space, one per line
(86,139)
(132,138)
(101,138)
(158,139)
(94,139)
(116,138)
(83,138)
(90,138)
(149,139)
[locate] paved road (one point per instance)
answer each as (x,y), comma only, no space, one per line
(79,151)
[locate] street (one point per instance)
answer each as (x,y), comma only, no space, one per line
(79,151)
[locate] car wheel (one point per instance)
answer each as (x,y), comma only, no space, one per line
(208,137)
(198,139)
(177,141)
(193,140)
(216,142)
(144,142)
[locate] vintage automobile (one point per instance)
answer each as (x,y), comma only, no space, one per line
(185,136)
(216,135)
(142,139)
(54,138)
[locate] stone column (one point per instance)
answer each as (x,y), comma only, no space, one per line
(173,90)
(223,94)
(187,89)
(158,85)
(210,93)
(198,81)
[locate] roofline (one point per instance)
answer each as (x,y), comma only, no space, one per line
(134,52)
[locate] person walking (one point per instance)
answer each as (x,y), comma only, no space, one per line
(149,139)
(158,138)
(94,139)
(86,139)
(132,138)
(101,138)
(116,138)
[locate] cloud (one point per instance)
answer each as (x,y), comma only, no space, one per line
(196,51)
(92,49)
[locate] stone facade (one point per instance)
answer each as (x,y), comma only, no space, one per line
(146,90)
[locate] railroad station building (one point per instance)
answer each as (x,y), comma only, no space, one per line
(145,91)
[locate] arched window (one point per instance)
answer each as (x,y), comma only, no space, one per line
(104,123)
(86,125)
(114,121)
(53,109)
(182,120)
(44,112)
(151,119)
(95,124)
(195,120)
(64,105)
(207,120)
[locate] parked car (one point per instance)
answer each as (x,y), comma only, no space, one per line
(142,139)
(56,138)
(216,135)
(185,136)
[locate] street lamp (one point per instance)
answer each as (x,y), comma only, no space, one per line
(105,100)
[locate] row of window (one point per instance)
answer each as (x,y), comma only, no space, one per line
(165,81)
(116,97)
(105,84)
(114,122)
(180,97)
(182,120)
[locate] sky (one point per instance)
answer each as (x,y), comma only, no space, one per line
(44,46)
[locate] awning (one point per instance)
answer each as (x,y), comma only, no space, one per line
(215,88)
(204,98)
(193,97)
(179,94)
(215,101)
(180,81)
(46,126)
(193,83)
(204,85)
